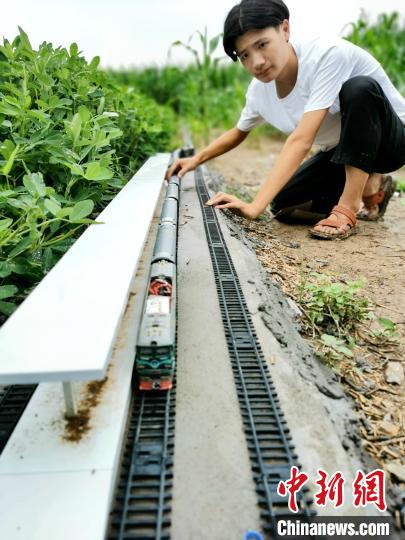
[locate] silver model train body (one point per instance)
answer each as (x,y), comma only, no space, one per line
(156,346)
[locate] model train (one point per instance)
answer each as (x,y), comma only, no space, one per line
(156,345)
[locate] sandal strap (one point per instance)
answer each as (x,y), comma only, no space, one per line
(329,223)
(372,200)
(351,216)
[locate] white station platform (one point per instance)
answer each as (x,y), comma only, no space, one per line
(80,323)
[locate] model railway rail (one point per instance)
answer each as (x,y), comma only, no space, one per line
(13,401)
(142,503)
(142,507)
(269,443)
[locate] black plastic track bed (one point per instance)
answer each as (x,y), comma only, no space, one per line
(269,442)
(13,401)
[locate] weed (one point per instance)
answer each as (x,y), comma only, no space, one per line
(387,330)
(332,349)
(331,305)
(334,312)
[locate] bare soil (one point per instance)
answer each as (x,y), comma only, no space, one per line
(376,253)
(77,426)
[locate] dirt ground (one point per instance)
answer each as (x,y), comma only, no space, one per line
(376,253)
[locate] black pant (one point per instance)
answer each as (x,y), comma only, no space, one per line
(372,139)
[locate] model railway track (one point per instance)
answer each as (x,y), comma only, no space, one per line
(13,401)
(142,503)
(269,443)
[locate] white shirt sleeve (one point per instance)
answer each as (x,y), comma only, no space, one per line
(249,117)
(333,70)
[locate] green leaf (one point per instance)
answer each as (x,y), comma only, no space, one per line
(6,269)
(214,43)
(5,224)
(73,49)
(387,324)
(24,39)
(81,210)
(75,126)
(7,308)
(94,171)
(329,340)
(95,62)
(7,290)
(39,115)
(7,148)
(34,182)
(52,206)
(84,114)
(23,245)
(9,110)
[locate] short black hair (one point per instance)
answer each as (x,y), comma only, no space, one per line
(251,15)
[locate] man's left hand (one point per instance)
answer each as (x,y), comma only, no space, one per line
(235,205)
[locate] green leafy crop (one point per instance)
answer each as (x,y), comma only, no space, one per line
(70,137)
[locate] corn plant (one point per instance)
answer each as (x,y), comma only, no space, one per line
(205,64)
(385,40)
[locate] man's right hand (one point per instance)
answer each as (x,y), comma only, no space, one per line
(181,167)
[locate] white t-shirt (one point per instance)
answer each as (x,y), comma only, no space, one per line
(323,66)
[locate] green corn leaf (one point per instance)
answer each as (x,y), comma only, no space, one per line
(214,43)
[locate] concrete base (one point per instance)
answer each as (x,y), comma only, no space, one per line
(214,494)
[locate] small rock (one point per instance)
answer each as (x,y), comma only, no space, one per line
(397,470)
(293,305)
(322,262)
(361,362)
(250,281)
(394,373)
(332,390)
(388,428)
(294,245)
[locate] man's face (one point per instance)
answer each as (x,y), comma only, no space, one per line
(264,53)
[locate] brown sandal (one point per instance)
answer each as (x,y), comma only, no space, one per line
(337,211)
(381,198)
